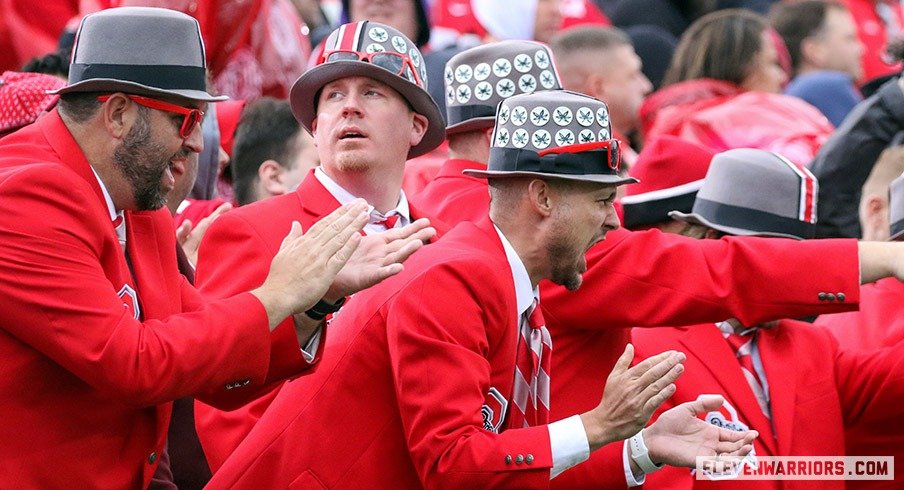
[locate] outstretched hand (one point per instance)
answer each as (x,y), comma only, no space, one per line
(631,396)
(679,436)
(378,257)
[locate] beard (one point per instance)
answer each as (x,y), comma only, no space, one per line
(143,163)
(565,263)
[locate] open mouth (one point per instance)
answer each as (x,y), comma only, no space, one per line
(351,133)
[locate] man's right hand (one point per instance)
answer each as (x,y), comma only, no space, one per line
(631,396)
(307,263)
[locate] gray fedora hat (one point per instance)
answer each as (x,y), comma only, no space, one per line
(752,192)
(139,50)
(554,133)
(896,207)
(388,48)
(478,79)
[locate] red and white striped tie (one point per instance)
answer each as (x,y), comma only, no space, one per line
(742,345)
(532,368)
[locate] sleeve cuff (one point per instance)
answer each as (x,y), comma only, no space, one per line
(629,475)
(569,444)
(309,351)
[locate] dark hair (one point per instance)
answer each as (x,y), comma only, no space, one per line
(722,45)
(56,64)
(796,21)
(267,130)
(79,106)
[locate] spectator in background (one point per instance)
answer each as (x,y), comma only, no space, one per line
(845,161)
(879,24)
(272,152)
(723,90)
(821,37)
(601,62)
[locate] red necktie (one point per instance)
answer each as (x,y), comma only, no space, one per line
(533,358)
(389,222)
(742,345)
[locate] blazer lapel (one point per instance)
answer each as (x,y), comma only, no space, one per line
(707,344)
(775,352)
(147,264)
(316,202)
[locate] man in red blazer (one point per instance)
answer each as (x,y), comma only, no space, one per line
(98,330)
(786,379)
(422,383)
(672,280)
(366,121)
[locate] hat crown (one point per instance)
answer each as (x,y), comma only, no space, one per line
(896,207)
(124,35)
(373,37)
(758,192)
(477,79)
(550,119)
(143,50)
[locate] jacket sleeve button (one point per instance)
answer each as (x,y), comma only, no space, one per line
(840,297)
(830,296)
(821,296)
(519,459)
(508,459)
(152,458)
(529,459)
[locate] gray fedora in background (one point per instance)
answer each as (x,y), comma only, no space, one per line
(557,134)
(139,50)
(896,207)
(752,192)
(478,79)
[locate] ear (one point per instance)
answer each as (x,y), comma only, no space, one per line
(541,197)
(117,118)
(874,218)
(812,52)
(419,125)
(595,85)
(270,174)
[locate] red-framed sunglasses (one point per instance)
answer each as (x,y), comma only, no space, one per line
(612,147)
(190,117)
(396,63)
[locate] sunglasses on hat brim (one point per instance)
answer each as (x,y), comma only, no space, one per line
(396,63)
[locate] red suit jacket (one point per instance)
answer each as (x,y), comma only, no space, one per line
(235,256)
(412,372)
(879,323)
(85,388)
(652,279)
(815,390)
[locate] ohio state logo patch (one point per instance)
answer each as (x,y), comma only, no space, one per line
(494,410)
(726,417)
(130,300)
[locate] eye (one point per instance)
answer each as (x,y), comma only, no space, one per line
(372,93)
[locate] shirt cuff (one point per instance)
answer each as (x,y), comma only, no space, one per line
(569,444)
(309,351)
(629,475)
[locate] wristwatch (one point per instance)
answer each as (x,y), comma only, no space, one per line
(641,455)
(320,310)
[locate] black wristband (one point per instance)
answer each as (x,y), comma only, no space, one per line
(320,310)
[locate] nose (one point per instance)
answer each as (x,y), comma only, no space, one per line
(611,222)
(351,105)
(195,140)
